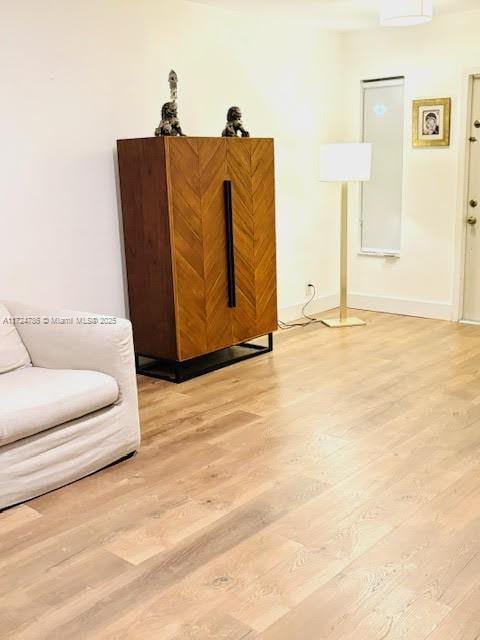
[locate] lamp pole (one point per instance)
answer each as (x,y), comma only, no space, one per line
(344,320)
(343,252)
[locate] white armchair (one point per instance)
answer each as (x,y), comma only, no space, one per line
(68,403)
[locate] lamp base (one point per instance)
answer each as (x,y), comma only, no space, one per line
(346,322)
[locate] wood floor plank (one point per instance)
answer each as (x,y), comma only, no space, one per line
(463,623)
(17,517)
(154,534)
(215,626)
(403,614)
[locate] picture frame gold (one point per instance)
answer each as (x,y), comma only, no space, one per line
(431,122)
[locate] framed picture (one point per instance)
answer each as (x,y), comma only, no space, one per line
(431,122)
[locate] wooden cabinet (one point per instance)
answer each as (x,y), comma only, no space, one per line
(201,273)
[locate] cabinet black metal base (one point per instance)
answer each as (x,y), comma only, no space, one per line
(174,371)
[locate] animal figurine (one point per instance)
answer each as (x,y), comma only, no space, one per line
(169,124)
(234,124)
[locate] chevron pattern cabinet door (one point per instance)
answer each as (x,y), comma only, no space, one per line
(213,172)
(240,170)
(188,246)
(263,203)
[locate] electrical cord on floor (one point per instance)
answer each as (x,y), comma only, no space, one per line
(310,319)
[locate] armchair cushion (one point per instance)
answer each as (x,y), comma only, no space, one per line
(13,354)
(93,344)
(34,399)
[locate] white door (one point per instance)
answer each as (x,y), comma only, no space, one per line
(471,296)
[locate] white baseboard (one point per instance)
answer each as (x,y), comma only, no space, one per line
(383,304)
(420,308)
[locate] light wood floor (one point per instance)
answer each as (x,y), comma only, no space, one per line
(328,491)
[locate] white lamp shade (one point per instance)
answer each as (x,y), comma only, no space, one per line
(345,162)
(403,13)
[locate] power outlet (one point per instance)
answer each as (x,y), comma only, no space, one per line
(309,287)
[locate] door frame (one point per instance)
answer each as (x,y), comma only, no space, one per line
(462,192)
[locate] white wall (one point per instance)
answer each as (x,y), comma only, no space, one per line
(76,76)
(435,60)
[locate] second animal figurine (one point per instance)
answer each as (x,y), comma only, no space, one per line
(234,124)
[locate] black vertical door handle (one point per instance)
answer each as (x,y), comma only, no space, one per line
(227,191)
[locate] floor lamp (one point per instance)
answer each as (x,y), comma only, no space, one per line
(344,163)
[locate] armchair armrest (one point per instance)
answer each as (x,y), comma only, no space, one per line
(62,339)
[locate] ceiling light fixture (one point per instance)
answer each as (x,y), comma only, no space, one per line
(404,13)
